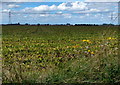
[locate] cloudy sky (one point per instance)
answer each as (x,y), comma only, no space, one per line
(58,0)
(59,11)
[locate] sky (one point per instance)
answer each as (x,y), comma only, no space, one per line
(59,0)
(59,11)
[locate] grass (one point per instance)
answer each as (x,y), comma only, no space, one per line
(60,54)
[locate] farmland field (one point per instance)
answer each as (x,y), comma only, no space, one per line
(60,54)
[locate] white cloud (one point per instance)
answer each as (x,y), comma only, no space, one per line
(102,0)
(38,0)
(62,12)
(76,7)
(13,6)
(58,0)
(79,5)
(41,8)
(69,6)
(72,6)
(62,6)
(94,10)
(87,14)
(43,15)
(67,15)
(21,0)
(44,8)
(53,7)
(97,15)
(6,10)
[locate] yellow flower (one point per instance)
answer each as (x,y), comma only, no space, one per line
(86,41)
(92,52)
(88,50)
(110,38)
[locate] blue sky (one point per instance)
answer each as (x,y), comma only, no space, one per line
(73,12)
(59,0)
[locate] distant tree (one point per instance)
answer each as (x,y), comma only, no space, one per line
(26,24)
(105,24)
(68,24)
(18,23)
(38,24)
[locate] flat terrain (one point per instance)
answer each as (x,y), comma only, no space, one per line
(60,54)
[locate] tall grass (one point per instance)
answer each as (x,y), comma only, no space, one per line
(60,54)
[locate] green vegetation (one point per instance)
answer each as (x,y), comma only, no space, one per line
(60,54)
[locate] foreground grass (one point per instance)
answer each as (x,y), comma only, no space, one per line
(60,54)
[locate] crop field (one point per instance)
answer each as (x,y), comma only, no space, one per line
(60,54)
